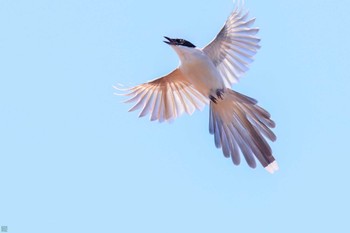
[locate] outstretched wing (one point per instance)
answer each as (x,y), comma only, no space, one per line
(165,98)
(233,48)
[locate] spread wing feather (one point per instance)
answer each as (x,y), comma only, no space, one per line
(234,47)
(165,98)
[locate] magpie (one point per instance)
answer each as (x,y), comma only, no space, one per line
(205,76)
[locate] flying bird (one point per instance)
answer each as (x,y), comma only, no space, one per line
(205,76)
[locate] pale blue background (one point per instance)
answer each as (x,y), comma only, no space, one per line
(73,160)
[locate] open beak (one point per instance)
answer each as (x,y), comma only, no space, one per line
(170,41)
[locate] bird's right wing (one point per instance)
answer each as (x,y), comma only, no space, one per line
(235,45)
(165,98)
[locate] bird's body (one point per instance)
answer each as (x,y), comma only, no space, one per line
(205,76)
(200,71)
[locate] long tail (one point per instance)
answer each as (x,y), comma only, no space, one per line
(239,126)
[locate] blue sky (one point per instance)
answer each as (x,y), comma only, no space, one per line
(74,160)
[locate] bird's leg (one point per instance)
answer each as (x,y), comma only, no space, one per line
(220,93)
(212,98)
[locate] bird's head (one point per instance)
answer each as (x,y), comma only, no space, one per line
(182,47)
(179,42)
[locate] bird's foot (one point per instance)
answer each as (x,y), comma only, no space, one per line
(213,99)
(220,93)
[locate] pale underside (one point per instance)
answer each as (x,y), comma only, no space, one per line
(231,51)
(239,125)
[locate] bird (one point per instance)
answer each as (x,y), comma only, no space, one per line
(203,77)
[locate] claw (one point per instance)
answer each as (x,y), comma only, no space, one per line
(220,93)
(212,98)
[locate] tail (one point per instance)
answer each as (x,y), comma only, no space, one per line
(239,126)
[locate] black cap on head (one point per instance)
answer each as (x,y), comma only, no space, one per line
(179,42)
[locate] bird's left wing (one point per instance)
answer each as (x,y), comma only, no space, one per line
(232,50)
(165,98)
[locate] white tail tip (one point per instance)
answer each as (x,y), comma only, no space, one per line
(272,167)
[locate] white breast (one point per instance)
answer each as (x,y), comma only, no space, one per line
(200,70)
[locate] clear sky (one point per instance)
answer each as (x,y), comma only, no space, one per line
(72,159)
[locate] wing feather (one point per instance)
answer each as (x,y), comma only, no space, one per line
(165,98)
(236,44)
